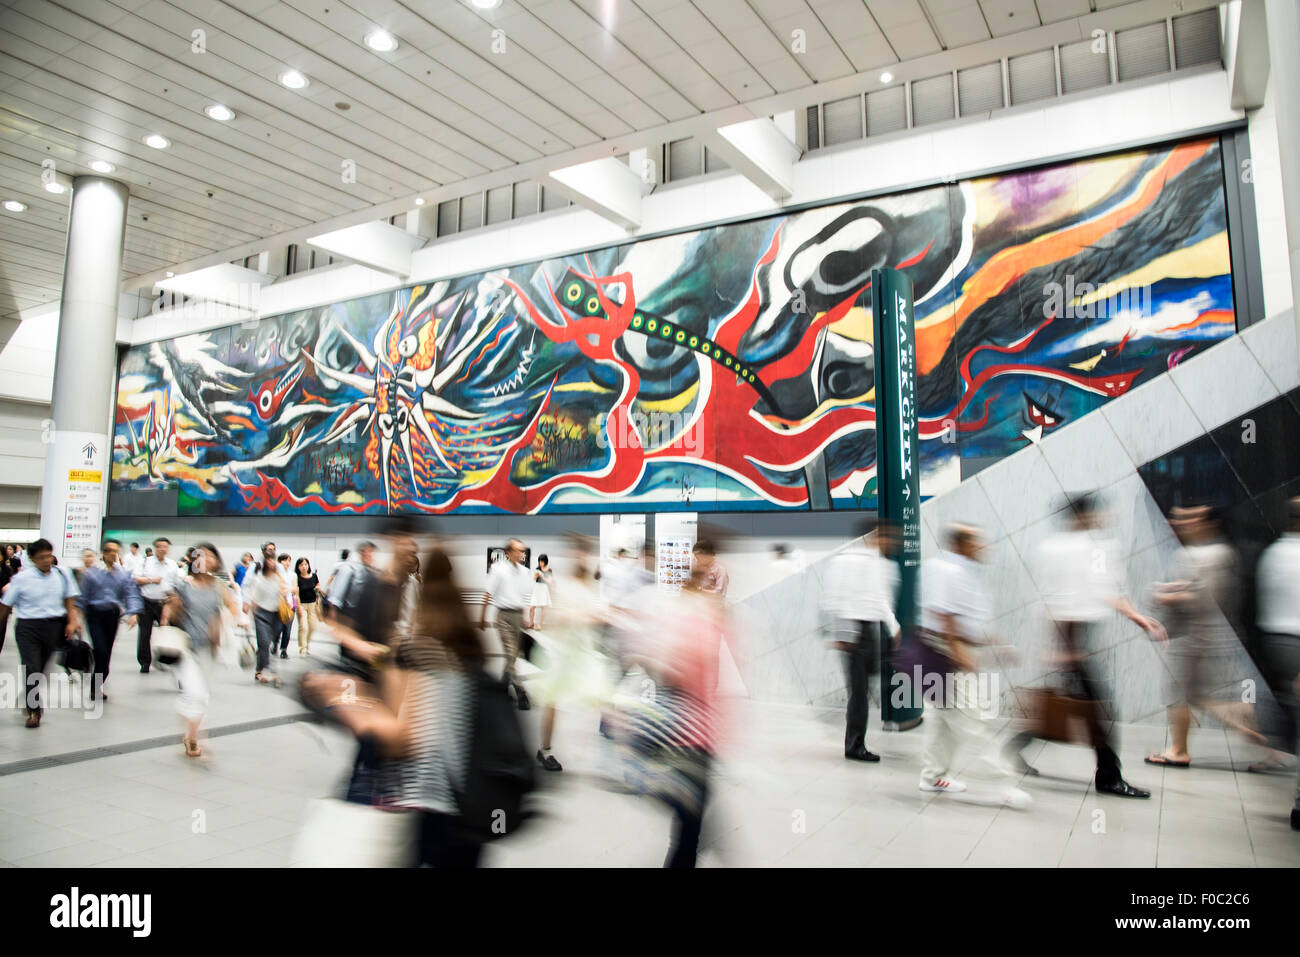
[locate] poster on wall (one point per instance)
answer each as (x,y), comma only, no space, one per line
(728,368)
(675,537)
(76,466)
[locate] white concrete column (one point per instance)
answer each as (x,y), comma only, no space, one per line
(1283,42)
(79,451)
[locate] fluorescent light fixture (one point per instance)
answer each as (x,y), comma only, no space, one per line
(54,186)
(293,79)
(14,206)
(156,141)
(886,77)
(220,113)
(101,166)
(381,41)
(486,4)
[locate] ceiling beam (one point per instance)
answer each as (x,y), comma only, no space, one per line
(605,186)
(379,245)
(760,152)
(1245,53)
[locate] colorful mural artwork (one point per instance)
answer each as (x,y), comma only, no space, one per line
(728,368)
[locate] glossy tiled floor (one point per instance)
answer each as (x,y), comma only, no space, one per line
(785,797)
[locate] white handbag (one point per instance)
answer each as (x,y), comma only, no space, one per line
(168,641)
(343,834)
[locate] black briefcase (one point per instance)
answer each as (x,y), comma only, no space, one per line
(77,656)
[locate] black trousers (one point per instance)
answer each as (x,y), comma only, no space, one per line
(286,628)
(443,845)
(1085,684)
(860,665)
(150,616)
(267,625)
(38,639)
(688,816)
(102,624)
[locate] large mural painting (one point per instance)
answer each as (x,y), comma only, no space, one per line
(727,368)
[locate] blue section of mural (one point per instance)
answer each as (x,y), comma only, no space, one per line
(728,368)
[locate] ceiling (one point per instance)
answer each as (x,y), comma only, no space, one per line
(82,80)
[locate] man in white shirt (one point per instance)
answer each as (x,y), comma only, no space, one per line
(130,561)
(509,587)
(1079,575)
(157,578)
(955,611)
(45,600)
(860,597)
(1278,588)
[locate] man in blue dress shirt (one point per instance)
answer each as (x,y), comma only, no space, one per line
(107,594)
(45,598)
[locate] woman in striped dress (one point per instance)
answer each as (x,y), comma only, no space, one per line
(418,715)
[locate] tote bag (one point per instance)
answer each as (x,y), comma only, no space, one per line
(339,833)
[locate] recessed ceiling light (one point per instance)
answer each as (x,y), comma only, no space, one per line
(293,79)
(54,186)
(14,206)
(486,4)
(220,113)
(170,274)
(381,41)
(419,201)
(886,77)
(101,166)
(156,141)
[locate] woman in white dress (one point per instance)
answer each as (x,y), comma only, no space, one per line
(573,672)
(541,599)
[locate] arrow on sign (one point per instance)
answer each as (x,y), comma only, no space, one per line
(89,450)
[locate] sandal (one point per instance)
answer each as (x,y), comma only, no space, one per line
(192,749)
(1162,761)
(261,679)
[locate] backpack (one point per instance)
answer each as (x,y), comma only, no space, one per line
(500,774)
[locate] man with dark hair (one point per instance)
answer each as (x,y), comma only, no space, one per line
(860,596)
(1079,573)
(45,599)
(713,574)
(157,579)
(107,594)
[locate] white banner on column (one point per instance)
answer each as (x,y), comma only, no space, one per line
(72,500)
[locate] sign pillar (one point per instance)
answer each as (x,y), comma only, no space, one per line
(898,462)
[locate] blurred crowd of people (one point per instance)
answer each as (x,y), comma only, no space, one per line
(419,670)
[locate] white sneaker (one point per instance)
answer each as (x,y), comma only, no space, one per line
(1016,798)
(943,784)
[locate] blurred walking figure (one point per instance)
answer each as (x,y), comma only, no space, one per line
(713,574)
(508,590)
(679,728)
(308,606)
(418,716)
(955,612)
(1080,576)
(264,590)
(156,579)
(289,579)
(1278,586)
(1202,602)
(860,597)
(541,597)
(107,594)
(196,608)
(44,598)
(573,672)
(242,569)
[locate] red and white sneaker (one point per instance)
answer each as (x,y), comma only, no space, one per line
(943,784)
